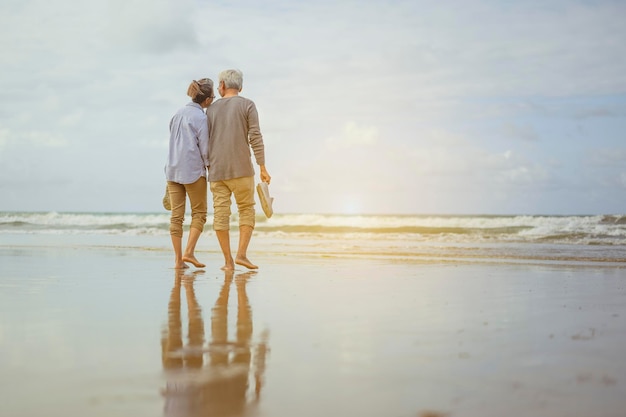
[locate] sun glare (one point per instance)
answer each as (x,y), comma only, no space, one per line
(351,205)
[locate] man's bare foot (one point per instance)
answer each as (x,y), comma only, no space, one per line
(245,262)
(192,259)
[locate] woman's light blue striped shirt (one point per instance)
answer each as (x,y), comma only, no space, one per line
(189,145)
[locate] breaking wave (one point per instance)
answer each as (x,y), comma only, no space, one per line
(583,230)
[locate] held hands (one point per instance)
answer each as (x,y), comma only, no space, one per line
(265,176)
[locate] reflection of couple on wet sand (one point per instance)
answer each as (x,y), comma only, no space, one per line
(220,386)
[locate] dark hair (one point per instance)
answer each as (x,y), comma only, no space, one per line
(200,90)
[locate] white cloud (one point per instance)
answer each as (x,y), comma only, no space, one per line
(72,119)
(4,137)
(33,139)
(353,136)
(151,26)
(396,97)
(520,132)
(607,157)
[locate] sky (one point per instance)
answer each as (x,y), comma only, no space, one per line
(371,107)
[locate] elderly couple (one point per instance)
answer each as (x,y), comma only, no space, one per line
(218,141)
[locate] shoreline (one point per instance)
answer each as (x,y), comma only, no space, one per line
(95,330)
(349,248)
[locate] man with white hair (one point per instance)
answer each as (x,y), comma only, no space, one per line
(233,123)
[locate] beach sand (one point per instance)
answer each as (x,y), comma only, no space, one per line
(97,330)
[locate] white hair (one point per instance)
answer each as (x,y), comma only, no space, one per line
(232,78)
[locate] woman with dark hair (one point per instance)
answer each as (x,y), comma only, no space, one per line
(186,170)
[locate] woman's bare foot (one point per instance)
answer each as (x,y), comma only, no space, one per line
(243,261)
(192,259)
(180,265)
(228,267)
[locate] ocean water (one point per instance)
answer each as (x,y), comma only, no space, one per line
(580,238)
(375,315)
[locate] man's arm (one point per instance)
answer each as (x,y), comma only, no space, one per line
(265,176)
(255,139)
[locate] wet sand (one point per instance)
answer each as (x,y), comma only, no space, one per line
(104,331)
